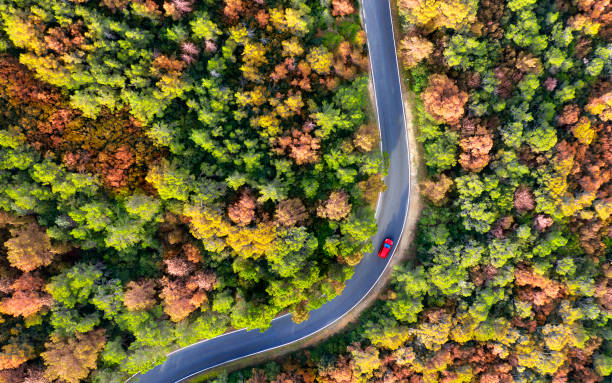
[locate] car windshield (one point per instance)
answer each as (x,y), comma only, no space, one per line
(387,246)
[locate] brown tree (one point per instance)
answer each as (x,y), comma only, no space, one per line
(523,199)
(413,49)
(366,138)
(291,212)
(303,147)
(569,115)
(336,207)
(242,212)
(436,190)
(202,280)
(179,266)
(542,222)
(71,359)
(476,150)
(139,295)
(29,247)
(14,354)
(371,188)
(179,300)
(443,100)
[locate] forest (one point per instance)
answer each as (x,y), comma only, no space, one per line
(174,169)
(510,280)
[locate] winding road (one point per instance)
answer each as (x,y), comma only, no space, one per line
(391,213)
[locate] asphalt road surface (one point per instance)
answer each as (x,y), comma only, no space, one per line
(391,214)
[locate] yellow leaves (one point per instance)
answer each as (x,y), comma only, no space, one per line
(434,14)
(563,166)
(570,205)
(24,33)
(292,48)
(556,337)
(603,209)
(252,242)
(239,34)
(455,14)
(216,233)
(557,186)
(289,20)
(295,21)
(463,328)
(581,22)
(255,97)
(269,123)
(254,54)
(320,60)
(277,18)
(601,106)
(251,73)
(583,131)
(291,106)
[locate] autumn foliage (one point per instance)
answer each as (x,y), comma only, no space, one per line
(443,100)
(71,359)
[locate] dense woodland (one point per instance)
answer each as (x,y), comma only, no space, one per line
(511,277)
(172,169)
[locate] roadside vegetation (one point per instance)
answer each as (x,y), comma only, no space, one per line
(512,280)
(173,169)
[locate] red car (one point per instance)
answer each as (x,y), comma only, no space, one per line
(385,248)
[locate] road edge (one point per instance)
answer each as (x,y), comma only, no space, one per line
(403,252)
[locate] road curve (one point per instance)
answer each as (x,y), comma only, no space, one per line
(391,214)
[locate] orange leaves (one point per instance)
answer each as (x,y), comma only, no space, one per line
(476,150)
(301,145)
(413,49)
(71,359)
(443,100)
(113,145)
(541,289)
(13,355)
(27,298)
(29,248)
(342,8)
(233,9)
(243,211)
(436,190)
(62,40)
(336,207)
(139,295)
(179,300)
(601,106)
